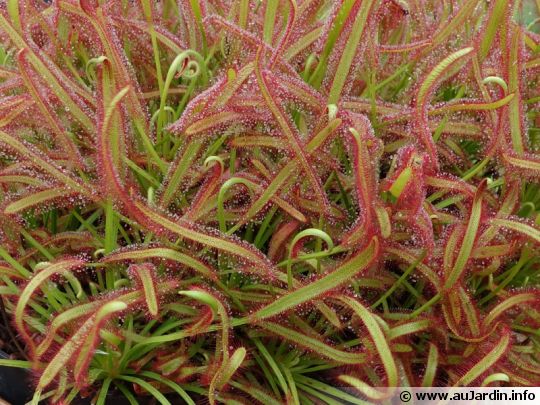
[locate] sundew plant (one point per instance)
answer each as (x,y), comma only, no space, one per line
(281,201)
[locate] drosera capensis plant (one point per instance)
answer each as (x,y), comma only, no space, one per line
(282,201)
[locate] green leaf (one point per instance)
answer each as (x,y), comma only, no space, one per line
(351,48)
(269,20)
(146,274)
(79,344)
(60,267)
(344,272)
(524,229)
(162,253)
(15,363)
(468,240)
(146,386)
(313,344)
(378,337)
(486,362)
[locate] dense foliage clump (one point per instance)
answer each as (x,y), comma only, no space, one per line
(282,201)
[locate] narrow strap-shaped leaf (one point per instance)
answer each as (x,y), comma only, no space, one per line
(82,310)
(103,391)
(161,253)
(506,304)
(166,38)
(233,84)
(269,20)
(250,141)
(408,328)
(332,36)
(472,105)
(284,205)
(207,190)
(146,274)
(303,43)
(400,280)
(34,199)
(487,362)
(315,345)
(527,230)
(279,238)
(405,47)
(274,368)
(14,14)
(111,132)
(378,337)
(69,146)
(55,81)
(329,313)
(297,89)
(431,366)
(212,121)
(15,363)
(23,272)
(450,183)
(260,395)
(366,389)
(317,387)
(452,24)
(365,180)
(492,251)
(291,19)
(527,165)
(28,152)
(9,272)
(146,386)
(410,258)
(195,233)
(292,136)
(225,372)
(231,366)
(495,377)
(116,55)
(60,267)
(342,273)
(401,182)
(191,12)
(468,240)
(148,11)
(451,248)
(470,311)
(174,386)
(515,112)
(73,345)
(317,141)
(508,206)
(219,309)
(358,29)
(496,16)
(178,171)
(62,319)
(13,107)
(86,344)
(425,90)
